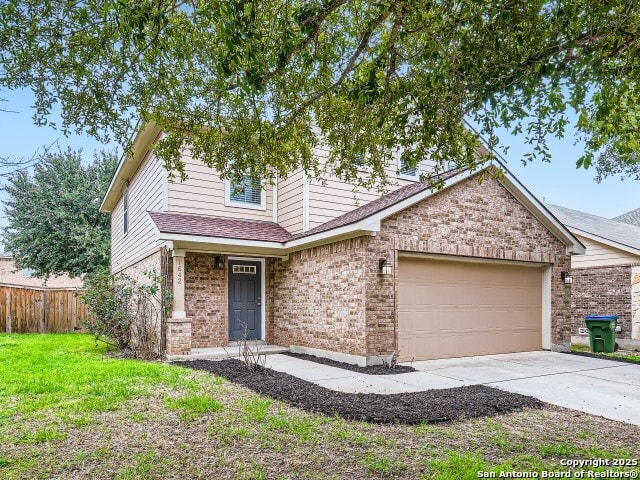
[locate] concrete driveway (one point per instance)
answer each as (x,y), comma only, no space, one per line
(600,387)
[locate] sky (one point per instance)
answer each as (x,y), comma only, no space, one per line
(557,182)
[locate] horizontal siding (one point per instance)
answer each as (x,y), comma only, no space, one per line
(600,255)
(337,197)
(290,202)
(203,193)
(146,192)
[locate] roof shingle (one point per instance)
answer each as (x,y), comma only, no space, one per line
(632,217)
(618,232)
(219,227)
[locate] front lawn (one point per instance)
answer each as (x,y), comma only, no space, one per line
(627,356)
(69,411)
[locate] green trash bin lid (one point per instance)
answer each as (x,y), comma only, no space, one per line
(600,318)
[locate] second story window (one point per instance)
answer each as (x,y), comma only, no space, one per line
(125,216)
(247,193)
(360,162)
(405,170)
(27,272)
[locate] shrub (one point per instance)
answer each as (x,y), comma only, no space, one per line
(126,313)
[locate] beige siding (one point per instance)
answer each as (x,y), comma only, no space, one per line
(336,197)
(203,193)
(599,255)
(146,193)
(290,202)
(10,275)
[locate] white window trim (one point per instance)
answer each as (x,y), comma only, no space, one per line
(404,176)
(230,203)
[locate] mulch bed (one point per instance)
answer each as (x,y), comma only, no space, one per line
(370,370)
(410,408)
(603,357)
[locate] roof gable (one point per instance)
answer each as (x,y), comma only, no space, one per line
(632,217)
(619,234)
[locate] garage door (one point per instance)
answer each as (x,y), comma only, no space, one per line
(458,308)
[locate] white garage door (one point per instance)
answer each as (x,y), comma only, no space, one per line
(458,308)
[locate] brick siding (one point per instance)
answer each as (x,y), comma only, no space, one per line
(332,297)
(206,300)
(602,291)
(319,298)
(141,272)
(469,219)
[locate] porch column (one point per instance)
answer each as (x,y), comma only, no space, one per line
(178,284)
(179,325)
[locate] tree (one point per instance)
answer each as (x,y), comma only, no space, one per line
(54,226)
(254,85)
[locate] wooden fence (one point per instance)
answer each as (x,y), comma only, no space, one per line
(41,310)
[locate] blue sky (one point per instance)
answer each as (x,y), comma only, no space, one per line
(558,182)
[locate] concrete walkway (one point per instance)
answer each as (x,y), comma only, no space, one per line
(600,387)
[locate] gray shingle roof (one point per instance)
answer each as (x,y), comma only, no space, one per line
(621,233)
(632,217)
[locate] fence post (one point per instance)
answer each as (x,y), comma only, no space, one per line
(74,310)
(8,298)
(45,307)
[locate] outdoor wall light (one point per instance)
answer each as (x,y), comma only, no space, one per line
(218,262)
(384,267)
(566,277)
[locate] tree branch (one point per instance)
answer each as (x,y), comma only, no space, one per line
(362,44)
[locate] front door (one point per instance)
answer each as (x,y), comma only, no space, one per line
(245,301)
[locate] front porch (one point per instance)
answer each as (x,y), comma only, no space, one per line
(218,299)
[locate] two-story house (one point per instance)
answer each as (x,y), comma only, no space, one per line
(472,269)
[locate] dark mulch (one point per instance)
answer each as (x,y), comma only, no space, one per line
(603,357)
(370,370)
(410,408)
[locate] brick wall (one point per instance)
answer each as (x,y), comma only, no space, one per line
(206,300)
(602,291)
(470,219)
(319,298)
(141,272)
(333,298)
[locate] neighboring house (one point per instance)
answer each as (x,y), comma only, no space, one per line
(10,275)
(470,270)
(606,279)
(632,217)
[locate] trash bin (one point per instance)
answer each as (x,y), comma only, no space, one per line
(602,332)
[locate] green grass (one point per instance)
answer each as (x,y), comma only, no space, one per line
(630,357)
(193,406)
(67,374)
(69,410)
(256,408)
(383,465)
(43,435)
